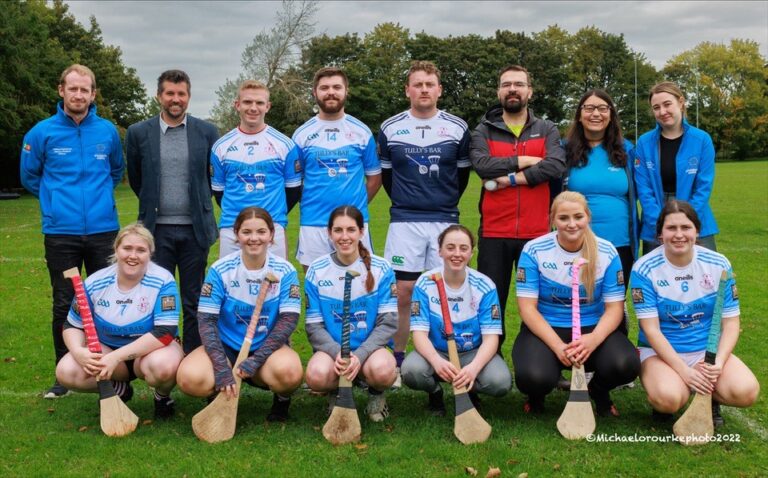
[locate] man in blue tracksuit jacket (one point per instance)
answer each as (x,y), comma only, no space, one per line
(71,162)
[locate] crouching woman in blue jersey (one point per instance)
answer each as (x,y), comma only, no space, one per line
(674,290)
(476,318)
(544,346)
(227,301)
(373,314)
(134,304)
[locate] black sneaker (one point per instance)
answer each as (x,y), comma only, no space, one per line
(56,391)
(164,407)
(660,417)
(607,409)
(436,404)
(127,394)
(717,419)
(475,399)
(279,410)
(534,405)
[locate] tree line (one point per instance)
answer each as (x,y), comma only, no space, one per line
(726,84)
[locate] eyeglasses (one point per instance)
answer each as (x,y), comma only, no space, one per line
(519,85)
(589,109)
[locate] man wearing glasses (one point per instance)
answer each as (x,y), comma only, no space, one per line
(516,155)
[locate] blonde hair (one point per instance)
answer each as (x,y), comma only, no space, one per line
(138,229)
(672,89)
(589,249)
(251,85)
(80,70)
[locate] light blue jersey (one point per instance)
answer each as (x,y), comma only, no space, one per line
(684,298)
(122,317)
(474,310)
(254,170)
(544,273)
(230,290)
(324,287)
(335,158)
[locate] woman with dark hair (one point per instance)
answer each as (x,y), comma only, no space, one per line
(373,311)
(135,311)
(544,346)
(674,161)
(227,301)
(599,166)
(674,289)
(476,319)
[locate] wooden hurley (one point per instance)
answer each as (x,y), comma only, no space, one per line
(469,427)
(343,426)
(117,419)
(217,421)
(695,426)
(577,420)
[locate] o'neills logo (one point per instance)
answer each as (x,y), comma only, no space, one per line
(685,277)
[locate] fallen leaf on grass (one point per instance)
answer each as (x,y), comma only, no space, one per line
(556,467)
(82,428)
(493,473)
(512,462)
(146,422)
(522,475)
(361,446)
(317,429)
(51,410)
(9,359)
(470,470)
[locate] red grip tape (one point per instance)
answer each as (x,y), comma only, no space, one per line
(91,337)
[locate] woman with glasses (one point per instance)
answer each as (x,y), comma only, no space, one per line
(674,161)
(544,345)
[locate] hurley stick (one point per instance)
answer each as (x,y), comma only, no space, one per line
(116,418)
(343,426)
(577,420)
(469,426)
(695,426)
(217,421)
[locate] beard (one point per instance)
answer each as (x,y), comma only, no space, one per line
(328,109)
(514,104)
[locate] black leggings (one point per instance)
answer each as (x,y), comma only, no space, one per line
(537,368)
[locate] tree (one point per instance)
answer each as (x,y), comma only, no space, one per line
(726,87)
(271,58)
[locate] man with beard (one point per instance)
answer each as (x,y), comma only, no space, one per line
(168,169)
(71,162)
(338,158)
(516,155)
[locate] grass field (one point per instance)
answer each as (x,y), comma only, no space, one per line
(62,438)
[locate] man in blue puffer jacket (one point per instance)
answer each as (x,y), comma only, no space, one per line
(71,162)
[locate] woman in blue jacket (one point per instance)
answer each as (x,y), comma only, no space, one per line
(674,161)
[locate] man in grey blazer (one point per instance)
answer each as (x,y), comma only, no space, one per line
(168,169)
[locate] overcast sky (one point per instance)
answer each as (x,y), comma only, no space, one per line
(206,39)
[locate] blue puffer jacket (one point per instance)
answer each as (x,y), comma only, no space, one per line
(695,178)
(72,169)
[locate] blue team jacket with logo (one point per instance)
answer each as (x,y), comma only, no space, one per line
(695,178)
(72,169)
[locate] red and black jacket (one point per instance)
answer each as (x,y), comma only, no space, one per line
(520,212)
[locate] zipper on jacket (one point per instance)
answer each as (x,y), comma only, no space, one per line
(83,179)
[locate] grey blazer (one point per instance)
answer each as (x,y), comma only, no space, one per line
(142,142)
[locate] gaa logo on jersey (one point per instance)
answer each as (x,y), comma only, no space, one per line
(103,303)
(168,302)
(415,309)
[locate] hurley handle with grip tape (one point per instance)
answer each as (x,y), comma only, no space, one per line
(91,337)
(348,276)
(245,349)
(575,299)
(713,340)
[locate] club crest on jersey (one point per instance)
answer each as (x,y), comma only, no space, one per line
(297,166)
(520,275)
(415,309)
(495,312)
(620,277)
(143,305)
(707,282)
(734,292)
(206,290)
(637,296)
(393,290)
(294,292)
(168,302)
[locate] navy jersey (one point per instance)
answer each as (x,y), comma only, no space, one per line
(424,156)
(684,298)
(120,316)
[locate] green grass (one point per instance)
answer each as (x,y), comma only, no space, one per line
(62,438)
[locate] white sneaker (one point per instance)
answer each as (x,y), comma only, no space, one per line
(398,380)
(626,385)
(589,376)
(377,408)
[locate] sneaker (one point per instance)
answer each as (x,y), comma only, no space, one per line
(475,399)
(436,404)
(607,410)
(717,419)
(279,410)
(534,406)
(56,391)
(626,385)
(124,390)
(164,407)
(589,376)
(398,380)
(661,417)
(377,408)
(563,383)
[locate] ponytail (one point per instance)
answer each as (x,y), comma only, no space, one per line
(588,271)
(365,255)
